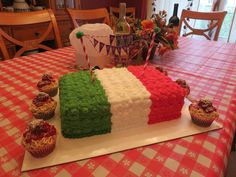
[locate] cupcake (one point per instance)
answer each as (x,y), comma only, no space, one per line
(43,106)
(39,139)
(48,85)
(203,113)
(162,70)
(184,85)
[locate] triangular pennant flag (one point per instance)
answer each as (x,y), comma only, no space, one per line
(136,43)
(118,38)
(125,38)
(116,60)
(112,37)
(119,50)
(101,45)
(125,49)
(132,37)
(113,49)
(108,47)
(131,47)
(123,60)
(119,41)
(95,42)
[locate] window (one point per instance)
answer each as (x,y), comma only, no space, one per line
(228,30)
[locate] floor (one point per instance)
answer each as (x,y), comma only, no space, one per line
(231,171)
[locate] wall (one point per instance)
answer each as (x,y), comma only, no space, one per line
(92,4)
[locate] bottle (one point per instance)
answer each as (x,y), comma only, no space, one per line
(122,27)
(174,20)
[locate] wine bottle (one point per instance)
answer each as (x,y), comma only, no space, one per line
(122,27)
(174,20)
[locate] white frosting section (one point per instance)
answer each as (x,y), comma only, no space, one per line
(129,99)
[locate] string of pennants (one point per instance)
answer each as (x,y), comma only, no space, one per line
(117,43)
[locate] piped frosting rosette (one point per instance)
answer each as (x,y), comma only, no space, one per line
(203,113)
(39,139)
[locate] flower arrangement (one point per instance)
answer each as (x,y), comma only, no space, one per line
(166,38)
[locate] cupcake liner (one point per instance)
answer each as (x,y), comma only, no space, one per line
(44,151)
(44,116)
(202,122)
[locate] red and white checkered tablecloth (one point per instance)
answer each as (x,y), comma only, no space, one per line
(208,67)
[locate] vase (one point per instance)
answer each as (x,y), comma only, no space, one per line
(145,52)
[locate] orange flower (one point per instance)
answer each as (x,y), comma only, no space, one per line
(147,24)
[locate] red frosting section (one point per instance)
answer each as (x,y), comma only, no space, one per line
(167,96)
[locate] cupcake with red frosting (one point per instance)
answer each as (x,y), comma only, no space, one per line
(48,85)
(43,106)
(184,85)
(203,113)
(39,139)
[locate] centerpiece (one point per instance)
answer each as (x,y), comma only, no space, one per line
(166,38)
(105,46)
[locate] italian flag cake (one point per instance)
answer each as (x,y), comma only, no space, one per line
(118,99)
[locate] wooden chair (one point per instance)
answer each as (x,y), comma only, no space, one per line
(88,16)
(215,19)
(28,18)
(130,11)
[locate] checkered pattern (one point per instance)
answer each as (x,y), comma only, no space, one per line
(208,67)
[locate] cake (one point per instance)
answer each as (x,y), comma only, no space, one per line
(48,85)
(203,113)
(118,99)
(39,138)
(43,106)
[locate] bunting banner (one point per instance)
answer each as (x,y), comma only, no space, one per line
(136,43)
(125,49)
(119,50)
(119,41)
(108,47)
(95,42)
(101,45)
(123,61)
(128,44)
(126,40)
(113,49)
(112,37)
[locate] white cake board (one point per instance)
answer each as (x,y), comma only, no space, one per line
(69,150)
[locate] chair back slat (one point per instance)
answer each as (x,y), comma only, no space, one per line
(28,18)
(129,10)
(24,18)
(87,15)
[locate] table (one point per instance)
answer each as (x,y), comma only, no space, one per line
(208,67)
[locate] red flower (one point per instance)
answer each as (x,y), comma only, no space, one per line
(162,50)
(147,24)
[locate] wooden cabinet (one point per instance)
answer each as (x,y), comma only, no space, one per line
(34,31)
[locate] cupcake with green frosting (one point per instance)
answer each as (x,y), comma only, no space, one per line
(203,113)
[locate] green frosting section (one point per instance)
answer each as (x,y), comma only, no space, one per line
(84,107)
